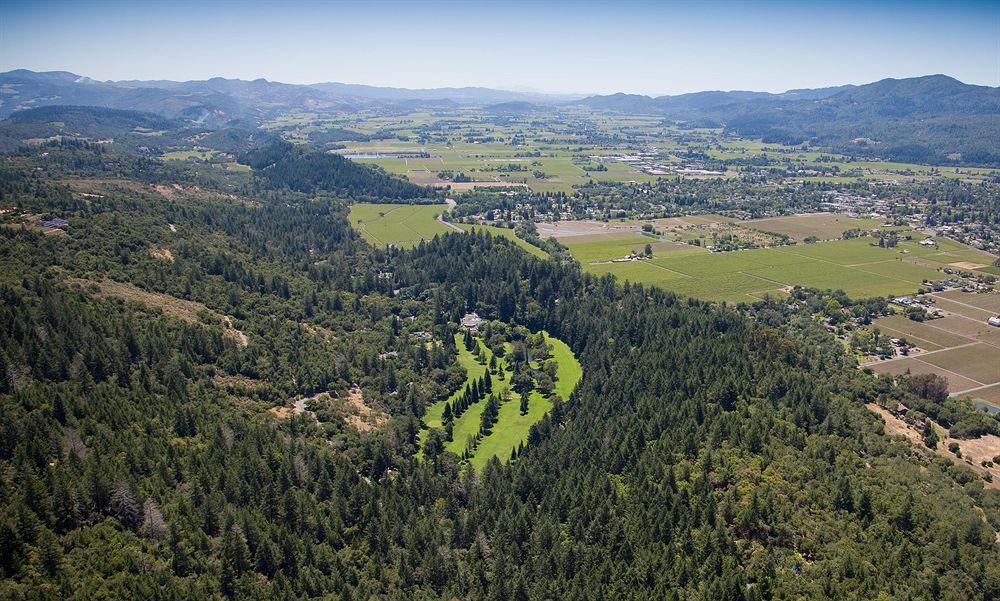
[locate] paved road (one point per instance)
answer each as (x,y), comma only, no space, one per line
(451,205)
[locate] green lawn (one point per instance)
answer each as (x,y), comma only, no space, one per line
(399,224)
(474,371)
(511,428)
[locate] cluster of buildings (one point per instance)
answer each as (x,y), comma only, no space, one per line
(912,213)
(647,162)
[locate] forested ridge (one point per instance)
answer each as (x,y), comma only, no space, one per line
(283,164)
(705,454)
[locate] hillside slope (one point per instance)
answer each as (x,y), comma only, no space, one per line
(923,119)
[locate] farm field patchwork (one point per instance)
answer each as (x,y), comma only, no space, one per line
(406,225)
(990,394)
(965,350)
(976,329)
(923,334)
(979,362)
(986,302)
(606,247)
(399,224)
(913,365)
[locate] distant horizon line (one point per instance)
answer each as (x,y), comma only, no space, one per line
(527,90)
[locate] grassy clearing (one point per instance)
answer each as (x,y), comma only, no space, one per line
(511,428)
(398,224)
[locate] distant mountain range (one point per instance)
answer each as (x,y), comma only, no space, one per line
(923,119)
(694,104)
(218,100)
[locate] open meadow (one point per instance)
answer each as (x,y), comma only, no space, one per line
(398,224)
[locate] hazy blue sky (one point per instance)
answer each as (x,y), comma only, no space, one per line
(631,46)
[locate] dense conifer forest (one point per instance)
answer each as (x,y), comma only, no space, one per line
(150,354)
(282,164)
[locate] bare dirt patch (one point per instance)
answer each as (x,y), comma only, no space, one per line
(565,229)
(162,254)
(324,333)
(359,414)
(237,383)
(966,265)
(190,311)
(352,407)
(973,451)
(231,332)
(282,412)
(168,191)
(977,450)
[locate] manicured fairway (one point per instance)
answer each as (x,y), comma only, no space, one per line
(474,370)
(511,428)
(399,224)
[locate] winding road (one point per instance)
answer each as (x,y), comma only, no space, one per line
(451,205)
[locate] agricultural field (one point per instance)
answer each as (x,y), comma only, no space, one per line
(511,428)
(560,150)
(960,347)
(405,225)
(493,165)
(716,230)
(397,224)
(824,226)
(857,266)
